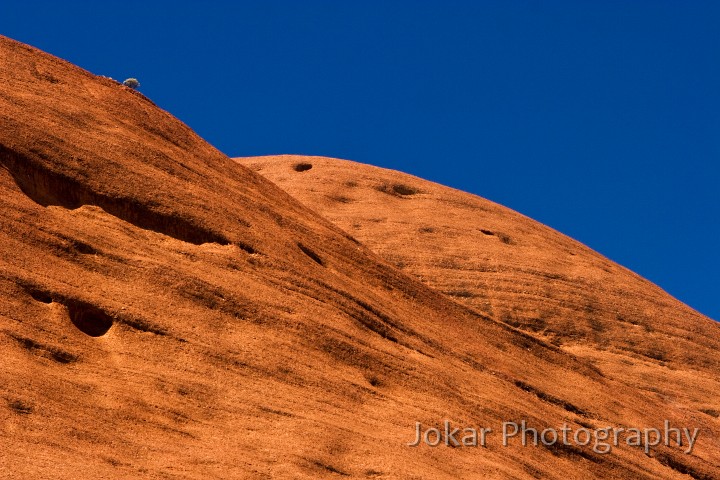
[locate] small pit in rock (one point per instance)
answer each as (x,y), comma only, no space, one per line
(89,319)
(303,167)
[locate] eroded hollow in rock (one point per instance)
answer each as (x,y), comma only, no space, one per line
(40,296)
(47,187)
(404,190)
(302,167)
(314,256)
(89,319)
(398,190)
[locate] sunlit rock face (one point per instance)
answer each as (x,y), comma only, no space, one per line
(166,311)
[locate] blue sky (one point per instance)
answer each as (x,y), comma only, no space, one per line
(598,118)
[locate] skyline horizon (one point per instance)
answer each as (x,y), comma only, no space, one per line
(599,122)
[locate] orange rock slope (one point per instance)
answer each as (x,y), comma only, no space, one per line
(517,271)
(168,313)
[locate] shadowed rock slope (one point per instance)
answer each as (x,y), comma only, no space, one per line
(168,313)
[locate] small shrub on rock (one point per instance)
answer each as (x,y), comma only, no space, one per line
(132,83)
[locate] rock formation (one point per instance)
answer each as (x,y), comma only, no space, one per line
(166,312)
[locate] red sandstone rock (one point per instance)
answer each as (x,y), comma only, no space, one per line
(168,313)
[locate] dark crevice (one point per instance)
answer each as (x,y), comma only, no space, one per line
(143,326)
(375,321)
(47,188)
(245,247)
(215,298)
(38,348)
(84,248)
(551,399)
(67,246)
(366,315)
(340,198)
(397,190)
(352,312)
(404,189)
(37,293)
(376,326)
(352,239)
(561,449)
(273,411)
(20,407)
(40,296)
(711,412)
(330,468)
(314,256)
(682,468)
(461,294)
(377,313)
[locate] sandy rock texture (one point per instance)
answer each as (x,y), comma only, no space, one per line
(167,312)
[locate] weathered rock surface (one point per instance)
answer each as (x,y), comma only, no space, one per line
(168,313)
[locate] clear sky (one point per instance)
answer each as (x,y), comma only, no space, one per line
(598,118)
